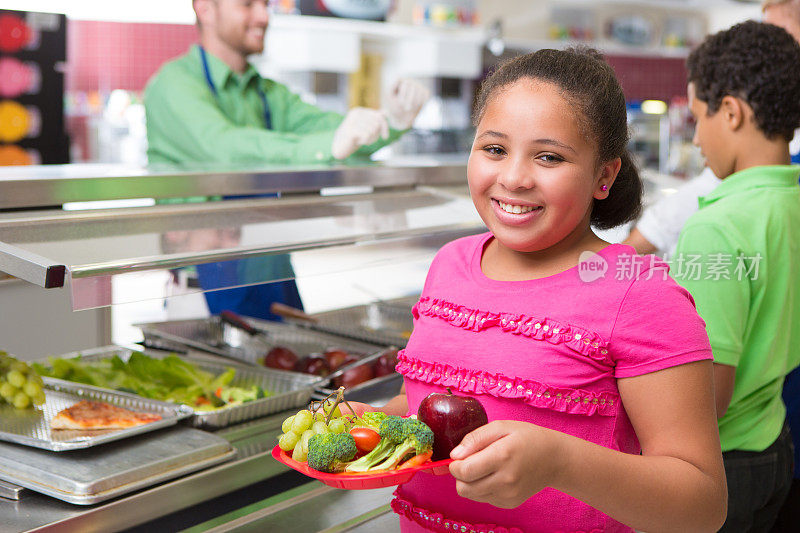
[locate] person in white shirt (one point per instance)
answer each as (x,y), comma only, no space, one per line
(658,229)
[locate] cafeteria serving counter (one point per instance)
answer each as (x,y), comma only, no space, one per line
(380,215)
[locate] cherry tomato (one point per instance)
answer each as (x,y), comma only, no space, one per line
(366,438)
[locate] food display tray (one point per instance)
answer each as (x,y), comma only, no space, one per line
(288,389)
(215,336)
(390,383)
(363,481)
(85,477)
(31,427)
(386,323)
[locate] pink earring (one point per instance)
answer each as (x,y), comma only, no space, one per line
(604,188)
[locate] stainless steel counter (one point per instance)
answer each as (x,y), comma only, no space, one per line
(334,510)
(253,441)
(54,185)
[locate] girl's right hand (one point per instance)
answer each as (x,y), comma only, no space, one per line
(506,462)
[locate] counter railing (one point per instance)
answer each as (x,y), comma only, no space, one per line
(275,211)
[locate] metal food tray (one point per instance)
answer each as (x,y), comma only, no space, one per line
(387,323)
(85,477)
(214,336)
(31,427)
(288,389)
(388,382)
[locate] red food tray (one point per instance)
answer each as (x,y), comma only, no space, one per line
(363,481)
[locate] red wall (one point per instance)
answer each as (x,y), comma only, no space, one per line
(102,56)
(645,78)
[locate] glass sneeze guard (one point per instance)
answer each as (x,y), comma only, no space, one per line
(396,224)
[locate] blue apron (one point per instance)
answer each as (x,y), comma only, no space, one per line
(253,300)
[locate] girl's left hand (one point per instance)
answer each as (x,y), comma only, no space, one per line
(505,462)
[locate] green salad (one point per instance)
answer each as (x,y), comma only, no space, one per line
(171,379)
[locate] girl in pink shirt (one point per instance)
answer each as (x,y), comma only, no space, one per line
(592,364)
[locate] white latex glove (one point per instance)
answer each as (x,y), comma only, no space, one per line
(404,101)
(360,127)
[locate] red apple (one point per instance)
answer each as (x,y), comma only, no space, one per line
(450,417)
(281,357)
(386,363)
(350,360)
(354,376)
(335,357)
(313,364)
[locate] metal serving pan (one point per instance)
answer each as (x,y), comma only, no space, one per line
(289,389)
(388,323)
(31,427)
(389,383)
(215,336)
(86,477)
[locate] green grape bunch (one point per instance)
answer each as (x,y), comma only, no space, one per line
(20,385)
(320,418)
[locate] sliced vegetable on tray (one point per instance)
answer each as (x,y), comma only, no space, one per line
(170,379)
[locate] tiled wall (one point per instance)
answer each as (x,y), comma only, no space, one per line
(645,78)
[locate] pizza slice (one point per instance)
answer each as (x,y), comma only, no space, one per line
(99,415)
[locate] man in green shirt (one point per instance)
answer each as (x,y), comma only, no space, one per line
(739,255)
(210,105)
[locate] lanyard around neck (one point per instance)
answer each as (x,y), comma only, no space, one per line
(210,82)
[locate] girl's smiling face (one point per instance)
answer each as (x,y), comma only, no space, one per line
(533,172)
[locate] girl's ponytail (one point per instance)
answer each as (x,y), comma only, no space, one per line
(623,203)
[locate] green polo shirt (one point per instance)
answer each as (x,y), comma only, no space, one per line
(187,123)
(746,240)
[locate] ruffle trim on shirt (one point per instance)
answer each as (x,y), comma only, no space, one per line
(567,400)
(578,339)
(435,521)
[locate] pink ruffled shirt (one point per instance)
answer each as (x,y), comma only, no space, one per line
(547,351)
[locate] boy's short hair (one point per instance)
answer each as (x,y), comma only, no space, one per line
(756,62)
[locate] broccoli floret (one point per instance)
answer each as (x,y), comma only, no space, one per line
(417,439)
(330,452)
(391,432)
(373,419)
(391,428)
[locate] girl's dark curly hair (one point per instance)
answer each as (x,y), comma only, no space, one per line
(587,82)
(756,62)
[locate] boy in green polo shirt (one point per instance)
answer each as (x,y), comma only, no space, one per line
(739,255)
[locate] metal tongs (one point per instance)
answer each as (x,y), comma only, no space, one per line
(287,311)
(364,360)
(233,319)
